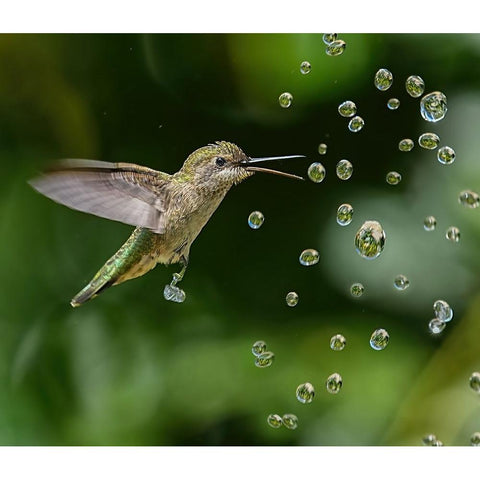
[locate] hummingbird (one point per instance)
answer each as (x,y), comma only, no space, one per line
(167,211)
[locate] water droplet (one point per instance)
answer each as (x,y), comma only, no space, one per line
(305,393)
(401,282)
(291,299)
(335,48)
(429,440)
(274,420)
(347,108)
(430,223)
(338,342)
(379,339)
(356,124)
(474,382)
(290,421)
(446,155)
(357,289)
(370,239)
(442,310)
(174,294)
(322,149)
(285,99)
(334,383)
(344,169)
(316,172)
(429,140)
(259,347)
(433,107)
(405,145)
(469,199)
(438,443)
(305,68)
(255,220)
(328,38)
(344,214)
(393,178)
(436,326)
(415,86)
(309,257)
(393,103)
(264,360)
(453,234)
(383,79)
(475,439)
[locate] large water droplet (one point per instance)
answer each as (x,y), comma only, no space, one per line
(290,421)
(334,383)
(328,38)
(393,103)
(255,220)
(401,282)
(415,86)
(453,234)
(442,310)
(405,145)
(436,326)
(344,169)
(285,99)
(446,155)
(309,257)
(393,178)
(264,360)
(475,439)
(322,149)
(347,109)
(383,79)
(469,199)
(305,68)
(316,172)
(433,106)
(429,140)
(356,124)
(291,299)
(370,239)
(474,382)
(429,223)
(305,393)
(174,294)
(335,48)
(259,347)
(338,342)
(357,290)
(344,214)
(274,420)
(379,339)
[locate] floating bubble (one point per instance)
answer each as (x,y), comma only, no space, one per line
(370,239)
(344,214)
(469,199)
(274,420)
(442,310)
(356,124)
(309,257)
(357,289)
(259,347)
(291,299)
(383,79)
(415,86)
(429,223)
(393,103)
(174,294)
(344,169)
(255,220)
(475,382)
(305,393)
(334,383)
(475,439)
(290,421)
(305,68)
(338,342)
(446,155)
(347,108)
(401,282)
(335,48)
(405,145)
(393,178)
(379,339)
(453,234)
(316,172)
(429,440)
(328,38)
(429,140)
(436,326)
(264,360)
(322,149)
(433,107)
(285,99)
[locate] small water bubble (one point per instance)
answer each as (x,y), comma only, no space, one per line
(393,103)
(328,38)
(453,234)
(429,140)
(338,342)
(474,382)
(442,310)
(469,199)
(344,169)
(335,48)
(305,67)
(174,294)
(438,443)
(379,339)
(290,421)
(475,439)
(322,149)
(357,290)
(259,347)
(370,239)
(356,124)
(401,282)
(436,326)
(291,299)
(429,223)
(305,393)
(255,220)
(316,172)
(285,99)
(334,383)
(429,440)
(344,214)
(309,257)
(446,155)
(405,145)
(433,107)
(274,420)
(383,79)
(415,86)
(393,178)
(264,360)
(347,108)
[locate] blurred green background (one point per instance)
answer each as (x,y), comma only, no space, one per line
(130,368)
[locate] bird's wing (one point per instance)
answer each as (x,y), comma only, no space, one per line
(124,192)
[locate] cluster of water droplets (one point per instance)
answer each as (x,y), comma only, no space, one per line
(443,313)
(334,45)
(289,420)
(263,357)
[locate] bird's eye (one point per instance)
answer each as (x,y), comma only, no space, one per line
(220,161)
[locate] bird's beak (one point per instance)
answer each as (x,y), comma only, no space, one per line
(247,164)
